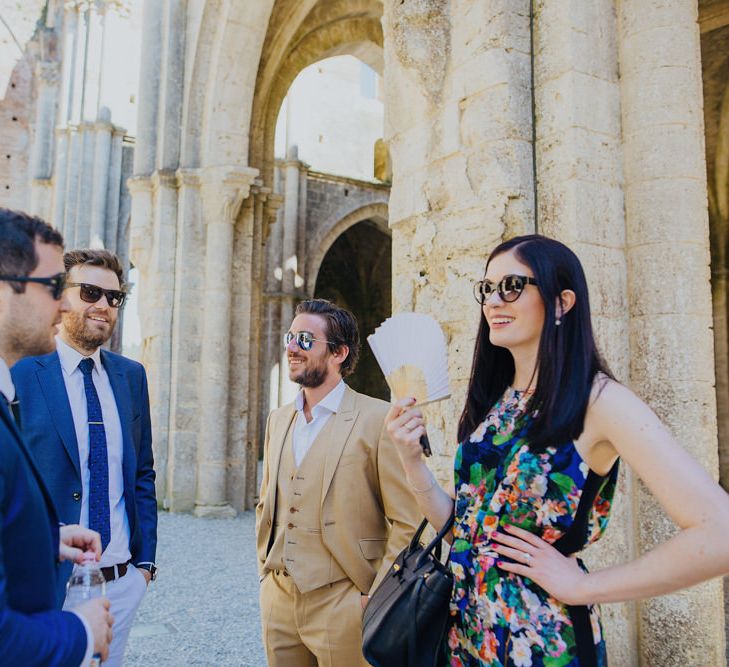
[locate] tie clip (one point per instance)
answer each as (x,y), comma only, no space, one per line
(101,423)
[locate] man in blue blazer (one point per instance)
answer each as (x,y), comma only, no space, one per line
(85,417)
(33,631)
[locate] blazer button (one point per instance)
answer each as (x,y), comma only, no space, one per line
(76,495)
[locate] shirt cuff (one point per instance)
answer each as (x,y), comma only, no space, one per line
(89,640)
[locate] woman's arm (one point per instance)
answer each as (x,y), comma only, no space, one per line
(405,426)
(688,494)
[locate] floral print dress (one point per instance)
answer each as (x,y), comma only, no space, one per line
(500,618)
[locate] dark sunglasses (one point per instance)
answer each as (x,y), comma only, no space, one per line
(304,339)
(55,283)
(92,293)
(509,288)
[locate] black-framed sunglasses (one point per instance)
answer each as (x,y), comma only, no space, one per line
(92,293)
(56,284)
(304,339)
(509,288)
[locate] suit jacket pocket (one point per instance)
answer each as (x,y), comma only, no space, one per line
(373,548)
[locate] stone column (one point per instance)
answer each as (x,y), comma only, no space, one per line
(114,193)
(72,178)
(41,169)
(159,289)
(289,260)
(179,461)
(149,88)
(672,363)
(60,171)
(85,185)
(99,175)
(580,202)
(223,191)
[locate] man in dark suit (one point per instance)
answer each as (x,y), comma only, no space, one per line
(85,418)
(33,631)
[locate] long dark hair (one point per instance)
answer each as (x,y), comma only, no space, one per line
(567,361)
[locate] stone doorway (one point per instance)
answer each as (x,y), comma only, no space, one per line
(356,273)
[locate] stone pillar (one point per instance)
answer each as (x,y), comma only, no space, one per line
(289,261)
(179,461)
(159,288)
(672,363)
(149,87)
(114,192)
(99,175)
(60,171)
(223,191)
(458,124)
(85,185)
(41,169)
(71,195)
(580,202)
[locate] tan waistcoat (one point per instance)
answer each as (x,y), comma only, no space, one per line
(297,545)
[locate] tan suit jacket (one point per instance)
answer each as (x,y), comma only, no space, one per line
(368,512)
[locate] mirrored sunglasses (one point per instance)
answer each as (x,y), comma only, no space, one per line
(509,288)
(56,284)
(92,293)
(304,339)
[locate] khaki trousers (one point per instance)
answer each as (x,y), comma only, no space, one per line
(322,627)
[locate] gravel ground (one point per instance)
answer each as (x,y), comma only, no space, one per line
(203,609)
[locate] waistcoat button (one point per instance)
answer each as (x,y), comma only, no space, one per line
(290,526)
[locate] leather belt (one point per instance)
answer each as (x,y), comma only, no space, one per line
(114,571)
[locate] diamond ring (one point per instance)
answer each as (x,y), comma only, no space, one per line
(528,558)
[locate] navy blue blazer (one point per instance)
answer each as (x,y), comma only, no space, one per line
(33,631)
(49,432)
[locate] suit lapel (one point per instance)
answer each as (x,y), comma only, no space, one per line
(120,387)
(50,378)
(276,442)
(338,435)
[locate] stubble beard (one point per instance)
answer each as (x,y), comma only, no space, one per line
(74,325)
(25,337)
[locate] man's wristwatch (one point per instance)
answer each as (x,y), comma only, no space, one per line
(150,567)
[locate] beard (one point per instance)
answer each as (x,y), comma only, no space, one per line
(74,324)
(310,377)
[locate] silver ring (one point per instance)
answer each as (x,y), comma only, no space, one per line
(528,558)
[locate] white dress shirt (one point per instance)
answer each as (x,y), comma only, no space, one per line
(117,551)
(305,432)
(7,388)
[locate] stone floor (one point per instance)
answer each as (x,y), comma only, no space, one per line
(203,609)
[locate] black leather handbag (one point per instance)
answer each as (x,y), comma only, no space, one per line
(405,620)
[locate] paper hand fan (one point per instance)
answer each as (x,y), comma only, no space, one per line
(411,351)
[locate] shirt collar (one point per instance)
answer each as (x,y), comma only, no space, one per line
(6,382)
(71,358)
(330,402)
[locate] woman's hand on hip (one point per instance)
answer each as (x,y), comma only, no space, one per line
(561,576)
(405,426)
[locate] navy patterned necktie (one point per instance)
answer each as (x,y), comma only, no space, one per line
(99,518)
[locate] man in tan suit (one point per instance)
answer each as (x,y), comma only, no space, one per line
(335,507)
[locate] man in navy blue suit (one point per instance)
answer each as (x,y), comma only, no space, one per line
(85,417)
(33,631)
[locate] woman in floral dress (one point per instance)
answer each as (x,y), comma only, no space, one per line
(541,434)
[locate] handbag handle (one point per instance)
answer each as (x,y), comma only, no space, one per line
(435,543)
